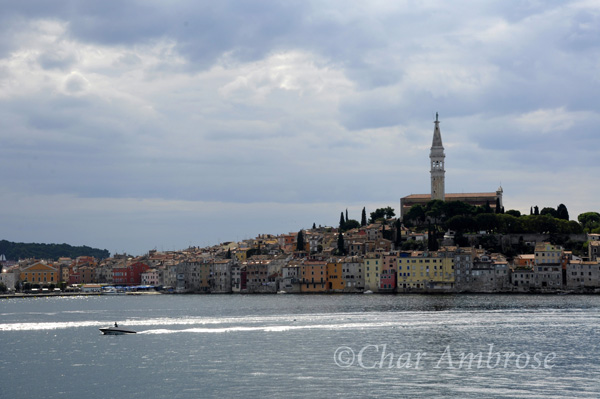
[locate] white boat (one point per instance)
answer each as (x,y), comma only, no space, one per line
(116,330)
(281,292)
(368,292)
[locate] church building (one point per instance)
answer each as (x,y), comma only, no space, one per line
(438,189)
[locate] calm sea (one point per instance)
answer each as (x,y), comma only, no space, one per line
(292,346)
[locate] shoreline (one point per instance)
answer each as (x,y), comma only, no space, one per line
(70,294)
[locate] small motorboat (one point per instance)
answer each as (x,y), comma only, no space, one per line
(116,330)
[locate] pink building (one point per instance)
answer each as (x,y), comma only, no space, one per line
(387,278)
(151,277)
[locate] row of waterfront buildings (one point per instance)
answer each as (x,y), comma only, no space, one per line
(270,264)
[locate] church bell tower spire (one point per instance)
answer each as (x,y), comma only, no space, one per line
(437,164)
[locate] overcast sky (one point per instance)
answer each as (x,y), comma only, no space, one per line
(133,125)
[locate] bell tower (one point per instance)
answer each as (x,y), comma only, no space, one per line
(437,164)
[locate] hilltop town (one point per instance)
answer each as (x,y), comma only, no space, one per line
(440,243)
(313,261)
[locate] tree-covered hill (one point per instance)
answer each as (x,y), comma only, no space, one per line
(18,250)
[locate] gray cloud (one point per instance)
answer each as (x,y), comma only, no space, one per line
(289,103)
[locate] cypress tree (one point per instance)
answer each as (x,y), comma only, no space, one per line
(300,241)
(347,215)
(340,244)
(562,212)
(342,222)
(430,238)
(487,208)
(398,233)
(363,219)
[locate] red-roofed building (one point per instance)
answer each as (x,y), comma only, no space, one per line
(129,275)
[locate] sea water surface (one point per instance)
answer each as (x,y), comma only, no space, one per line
(301,346)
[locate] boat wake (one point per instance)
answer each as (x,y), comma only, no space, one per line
(320,321)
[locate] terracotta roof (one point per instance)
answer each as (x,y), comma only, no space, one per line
(452,195)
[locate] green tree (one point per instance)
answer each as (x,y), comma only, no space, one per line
(487,208)
(413,245)
(490,243)
(341,247)
(432,243)
(398,238)
(342,221)
(454,208)
(314,226)
(575,228)
(300,246)
(536,210)
(228,256)
(487,222)
(589,221)
(3,288)
(415,215)
(363,218)
(549,211)
(513,212)
(543,224)
(435,211)
(562,212)
(382,213)
(508,224)
(15,251)
(351,224)
(462,223)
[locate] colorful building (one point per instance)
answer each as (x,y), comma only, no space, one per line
(389,267)
(40,273)
(372,265)
(335,276)
(129,275)
(548,254)
(314,276)
(427,271)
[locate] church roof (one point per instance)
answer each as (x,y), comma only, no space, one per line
(454,195)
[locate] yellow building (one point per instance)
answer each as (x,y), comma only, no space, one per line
(546,253)
(40,273)
(242,254)
(372,266)
(335,276)
(426,271)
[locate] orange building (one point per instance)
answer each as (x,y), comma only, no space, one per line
(40,273)
(524,261)
(314,276)
(335,277)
